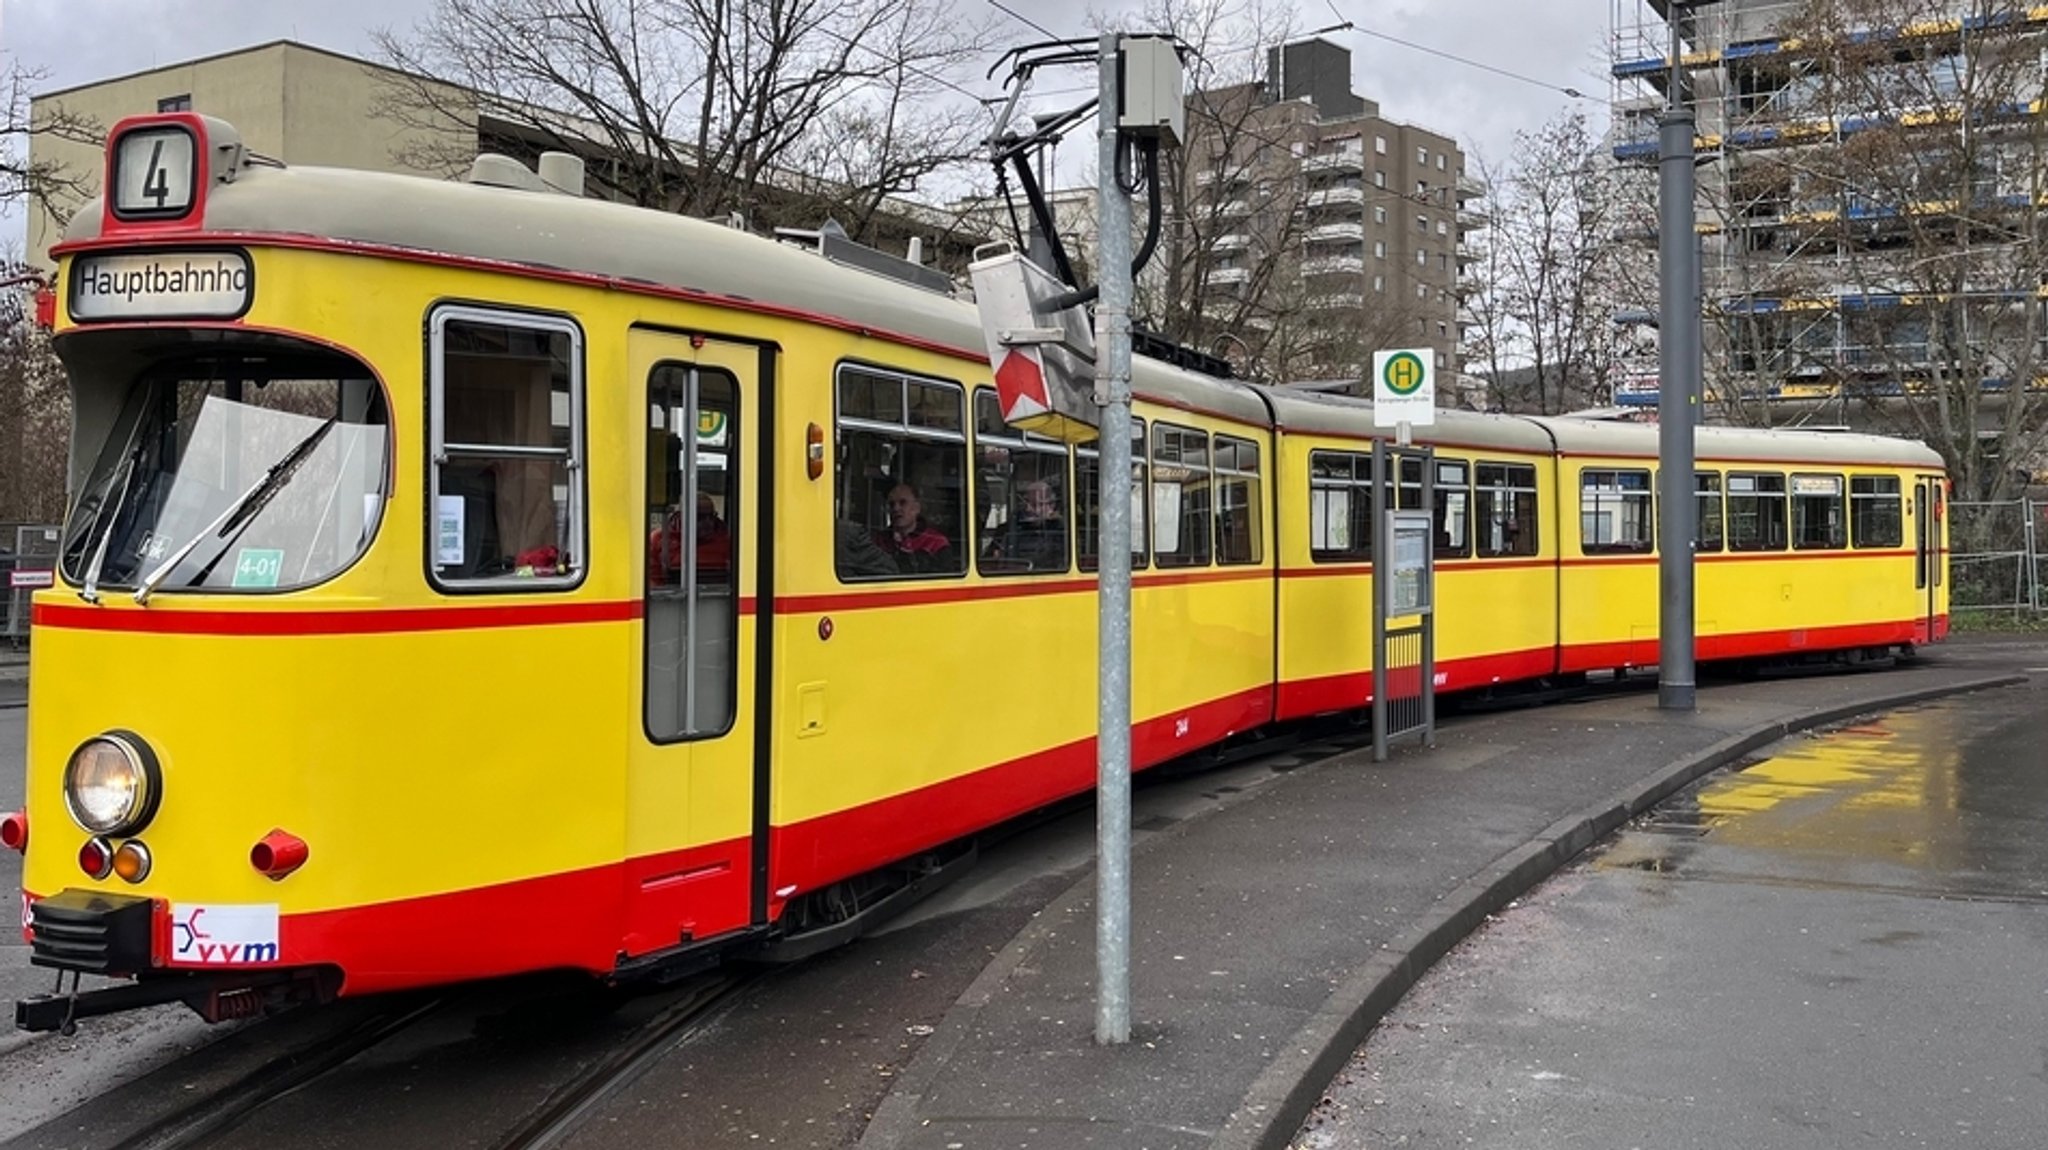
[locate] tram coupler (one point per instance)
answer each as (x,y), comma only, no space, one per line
(213,997)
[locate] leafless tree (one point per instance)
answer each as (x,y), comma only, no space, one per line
(705,107)
(40,185)
(35,429)
(1550,276)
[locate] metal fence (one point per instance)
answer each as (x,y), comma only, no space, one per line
(28,559)
(1996,562)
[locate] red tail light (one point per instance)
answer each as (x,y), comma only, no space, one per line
(96,858)
(14,831)
(278,854)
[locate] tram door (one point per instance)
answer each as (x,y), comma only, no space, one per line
(690,804)
(1927,515)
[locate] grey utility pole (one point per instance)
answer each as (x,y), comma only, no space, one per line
(1113,558)
(1678,381)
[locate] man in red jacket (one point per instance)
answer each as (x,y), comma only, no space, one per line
(917,546)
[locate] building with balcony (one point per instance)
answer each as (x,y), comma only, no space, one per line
(1868,203)
(1323,231)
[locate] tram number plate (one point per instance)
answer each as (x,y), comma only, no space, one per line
(258,567)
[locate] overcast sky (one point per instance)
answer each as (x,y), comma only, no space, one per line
(1560,43)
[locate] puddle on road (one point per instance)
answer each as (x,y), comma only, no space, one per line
(1931,788)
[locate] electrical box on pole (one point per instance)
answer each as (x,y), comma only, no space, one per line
(1149,79)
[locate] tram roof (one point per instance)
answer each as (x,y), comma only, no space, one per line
(1737,444)
(630,245)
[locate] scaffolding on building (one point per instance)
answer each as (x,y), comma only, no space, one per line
(1810,293)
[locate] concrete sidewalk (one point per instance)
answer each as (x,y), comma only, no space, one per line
(1269,937)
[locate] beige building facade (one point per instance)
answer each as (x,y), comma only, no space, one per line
(290,101)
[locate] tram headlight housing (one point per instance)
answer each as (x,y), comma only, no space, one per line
(112,784)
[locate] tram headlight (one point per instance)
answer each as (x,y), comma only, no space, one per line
(112,784)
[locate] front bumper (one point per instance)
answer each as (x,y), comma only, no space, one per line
(93,933)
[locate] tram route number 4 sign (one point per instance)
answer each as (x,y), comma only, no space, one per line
(1404,387)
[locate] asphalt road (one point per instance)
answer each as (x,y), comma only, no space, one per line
(1839,945)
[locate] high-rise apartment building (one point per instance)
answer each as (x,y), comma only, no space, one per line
(1868,202)
(1316,230)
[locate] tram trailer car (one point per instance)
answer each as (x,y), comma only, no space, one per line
(467,579)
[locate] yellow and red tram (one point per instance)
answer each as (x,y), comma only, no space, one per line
(466,578)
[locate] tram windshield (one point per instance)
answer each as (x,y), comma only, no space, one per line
(252,470)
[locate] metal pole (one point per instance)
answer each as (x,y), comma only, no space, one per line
(1113,709)
(1382,566)
(1678,378)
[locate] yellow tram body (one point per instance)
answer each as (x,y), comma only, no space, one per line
(450,757)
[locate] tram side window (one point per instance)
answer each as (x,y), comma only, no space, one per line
(1756,512)
(1238,517)
(1876,518)
(1818,522)
(899,491)
(1504,509)
(1088,497)
(1020,496)
(508,480)
(1707,528)
(1339,506)
(692,516)
(1614,513)
(1453,509)
(1180,496)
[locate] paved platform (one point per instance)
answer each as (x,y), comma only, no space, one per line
(1269,937)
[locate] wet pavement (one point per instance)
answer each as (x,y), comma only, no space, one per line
(1840,944)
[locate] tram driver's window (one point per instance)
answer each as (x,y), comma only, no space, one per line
(899,492)
(506,506)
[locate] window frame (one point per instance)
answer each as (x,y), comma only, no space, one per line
(1506,486)
(1360,550)
(1858,523)
(1839,498)
(1755,493)
(1623,497)
(1017,441)
(1440,514)
(1141,484)
(575,458)
(1709,485)
(1219,479)
(963,437)
(1207,555)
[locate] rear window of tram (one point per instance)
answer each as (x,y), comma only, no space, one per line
(899,491)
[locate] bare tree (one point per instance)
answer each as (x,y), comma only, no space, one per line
(694,106)
(1549,278)
(40,185)
(34,434)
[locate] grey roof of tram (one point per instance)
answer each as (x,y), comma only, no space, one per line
(680,253)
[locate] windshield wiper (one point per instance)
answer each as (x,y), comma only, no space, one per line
(90,589)
(241,512)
